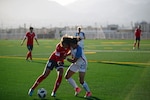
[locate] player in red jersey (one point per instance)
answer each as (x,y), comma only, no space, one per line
(56,60)
(137,33)
(30,36)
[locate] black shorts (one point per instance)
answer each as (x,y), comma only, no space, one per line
(138,39)
(30,47)
(51,64)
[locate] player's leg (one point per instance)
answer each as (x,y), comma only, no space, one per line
(82,70)
(60,71)
(84,84)
(134,46)
(29,53)
(138,43)
(68,76)
(39,80)
(31,48)
(49,66)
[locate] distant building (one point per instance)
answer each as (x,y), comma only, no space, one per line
(145,26)
(112,27)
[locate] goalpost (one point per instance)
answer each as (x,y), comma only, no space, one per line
(100,33)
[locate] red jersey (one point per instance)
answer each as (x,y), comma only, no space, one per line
(137,32)
(30,37)
(59,53)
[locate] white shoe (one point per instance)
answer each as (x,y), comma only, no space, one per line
(53,94)
(30,92)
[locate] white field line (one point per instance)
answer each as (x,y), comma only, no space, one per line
(134,51)
(103,45)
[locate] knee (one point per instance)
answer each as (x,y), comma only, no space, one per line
(60,72)
(66,77)
(45,75)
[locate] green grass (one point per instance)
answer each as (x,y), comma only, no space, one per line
(115,71)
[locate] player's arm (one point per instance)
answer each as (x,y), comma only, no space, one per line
(84,35)
(69,53)
(23,40)
(72,60)
(77,56)
(35,37)
(36,41)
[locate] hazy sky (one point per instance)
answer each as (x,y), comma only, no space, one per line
(72,12)
(64,2)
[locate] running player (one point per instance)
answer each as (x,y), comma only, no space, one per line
(80,35)
(56,60)
(30,36)
(137,33)
(79,64)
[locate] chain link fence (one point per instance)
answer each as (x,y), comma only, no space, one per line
(58,33)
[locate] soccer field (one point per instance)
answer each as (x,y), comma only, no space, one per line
(115,71)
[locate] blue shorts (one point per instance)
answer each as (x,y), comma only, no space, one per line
(51,64)
(30,47)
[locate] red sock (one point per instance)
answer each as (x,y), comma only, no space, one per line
(28,55)
(38,81)
(134,44)
(57,83)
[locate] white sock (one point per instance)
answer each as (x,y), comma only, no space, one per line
(86,87)
(72,82)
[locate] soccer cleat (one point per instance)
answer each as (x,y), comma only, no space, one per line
(77,91)
(88,94)
(133,48)
(30,92)
(53,94)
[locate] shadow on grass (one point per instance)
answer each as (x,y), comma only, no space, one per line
(44,63)
(39,62)
(41,99)
(90,98)
(122,64)
(54,98)
(81,97)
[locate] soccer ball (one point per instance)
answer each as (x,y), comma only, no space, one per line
(41,93)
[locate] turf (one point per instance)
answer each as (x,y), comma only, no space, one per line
(115,71)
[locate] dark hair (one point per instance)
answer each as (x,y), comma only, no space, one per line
(66,40)
(74,40)
(31,28)
(70,39)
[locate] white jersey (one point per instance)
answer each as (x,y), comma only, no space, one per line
(79,53)
(81,42)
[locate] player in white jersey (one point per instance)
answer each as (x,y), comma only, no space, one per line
(80,35)
(79,64)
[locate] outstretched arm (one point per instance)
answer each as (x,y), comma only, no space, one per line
(23,41)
